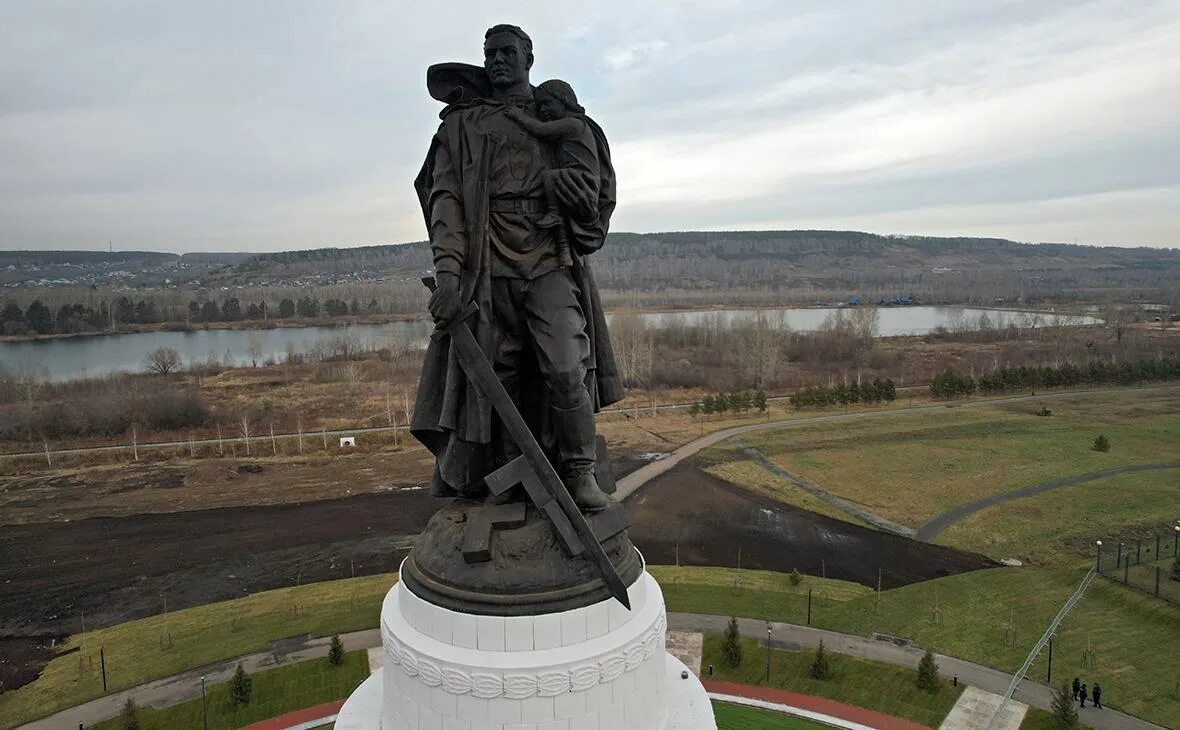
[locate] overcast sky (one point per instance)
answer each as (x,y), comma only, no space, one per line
(237,125)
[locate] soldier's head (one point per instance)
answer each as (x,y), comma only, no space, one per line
(507,56)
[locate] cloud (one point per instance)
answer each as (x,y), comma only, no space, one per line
(255,126)
(622,58)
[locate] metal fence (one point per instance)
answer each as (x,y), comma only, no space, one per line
(1145,564)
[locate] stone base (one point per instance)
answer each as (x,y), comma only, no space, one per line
(523,570)
(599,667)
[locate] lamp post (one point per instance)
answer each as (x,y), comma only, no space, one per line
(769,632)
(1098,559)
(1176,543)
(204,709)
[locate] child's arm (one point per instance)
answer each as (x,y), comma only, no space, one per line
(568,128)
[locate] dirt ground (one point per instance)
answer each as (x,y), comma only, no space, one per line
(118,567)
(131,488)
(713,521)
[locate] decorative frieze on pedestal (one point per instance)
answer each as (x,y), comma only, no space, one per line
(600,667)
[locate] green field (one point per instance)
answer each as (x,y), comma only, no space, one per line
(911,468)
(1059,527)
(737,717)
(275,692)
(761,594)
(135,652)
(1132,635)
(872,685)
(1135,638)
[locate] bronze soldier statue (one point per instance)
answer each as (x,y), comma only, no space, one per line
(487,191)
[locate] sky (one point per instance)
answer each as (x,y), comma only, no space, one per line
(282,124)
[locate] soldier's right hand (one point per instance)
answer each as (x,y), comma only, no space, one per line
(445,302)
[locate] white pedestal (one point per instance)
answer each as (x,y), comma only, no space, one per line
(596,668)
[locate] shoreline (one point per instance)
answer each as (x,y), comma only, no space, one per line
(350,320)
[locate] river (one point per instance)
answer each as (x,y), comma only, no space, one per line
(79,357)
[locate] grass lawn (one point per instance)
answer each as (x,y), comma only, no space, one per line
(275,692)
(1059,527)
(760,593)
(911,468)
(200,635)
(871,685)
(726,461)
(739,717)
(1135,638)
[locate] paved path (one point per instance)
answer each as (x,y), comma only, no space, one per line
(856,716)
(848,508)
(186,686)
(930,530)
(636,479)
(792,637)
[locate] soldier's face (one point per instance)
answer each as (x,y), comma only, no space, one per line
(505,61)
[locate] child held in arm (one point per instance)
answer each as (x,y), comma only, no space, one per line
(562,121)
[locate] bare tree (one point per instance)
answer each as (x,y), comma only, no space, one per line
(244,424)
(759,346)
(162,361)
(254,348)
(633,348)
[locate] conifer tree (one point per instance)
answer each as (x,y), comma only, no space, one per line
(732,651)
(336,652)
(820,668)
(928,673)
(241,686)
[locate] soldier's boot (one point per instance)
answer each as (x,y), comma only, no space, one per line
(576,450)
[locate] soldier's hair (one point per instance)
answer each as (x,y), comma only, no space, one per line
(564,93)
(516,30)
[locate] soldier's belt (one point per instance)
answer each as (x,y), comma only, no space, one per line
(523,206)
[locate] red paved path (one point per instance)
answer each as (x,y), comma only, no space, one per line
(282,722)
(815,704)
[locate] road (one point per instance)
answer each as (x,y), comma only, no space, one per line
(187,686)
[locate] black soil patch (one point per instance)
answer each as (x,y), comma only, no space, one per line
(21,658)
(116,568)
(713,519)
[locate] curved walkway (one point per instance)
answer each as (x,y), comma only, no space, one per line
(848,508)
(636,479)
(930,530)
(169,691)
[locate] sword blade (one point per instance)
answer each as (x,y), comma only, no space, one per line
(480,371)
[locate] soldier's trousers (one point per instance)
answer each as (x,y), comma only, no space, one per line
(542,318)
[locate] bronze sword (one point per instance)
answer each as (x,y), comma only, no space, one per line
(546,491)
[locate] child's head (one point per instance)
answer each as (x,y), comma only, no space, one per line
(556,99)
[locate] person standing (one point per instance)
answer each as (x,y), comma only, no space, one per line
(1097,696)
(1082,695)
(1077,687)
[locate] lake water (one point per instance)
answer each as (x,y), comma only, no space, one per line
(77,357)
